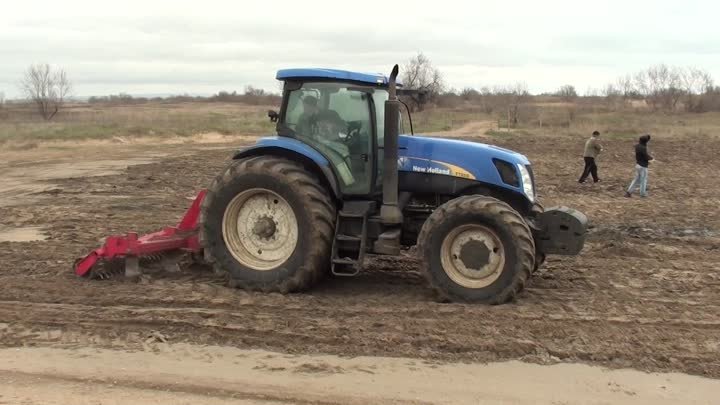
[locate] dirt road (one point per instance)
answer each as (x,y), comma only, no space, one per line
(198,375)
(645,294)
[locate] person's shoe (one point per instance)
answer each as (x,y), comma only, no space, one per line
(643,196)
(581,181)
(628,195)
(596,181)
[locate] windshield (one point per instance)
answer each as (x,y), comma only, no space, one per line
(336,119)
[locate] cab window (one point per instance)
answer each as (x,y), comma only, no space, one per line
(335,119)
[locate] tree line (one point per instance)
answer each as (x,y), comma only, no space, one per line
(658,88)
(250,95)
(661,88)
(667,88)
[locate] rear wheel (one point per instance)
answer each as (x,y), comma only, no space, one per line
(476,249)
(268,225)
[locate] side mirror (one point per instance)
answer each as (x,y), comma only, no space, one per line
(274,116)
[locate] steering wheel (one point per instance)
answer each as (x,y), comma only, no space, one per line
(353,131)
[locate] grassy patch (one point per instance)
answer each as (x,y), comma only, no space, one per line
(90,121)
(134,121)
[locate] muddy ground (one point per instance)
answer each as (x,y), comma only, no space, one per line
(644,294)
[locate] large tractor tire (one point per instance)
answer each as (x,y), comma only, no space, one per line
(268,224)
(476,249)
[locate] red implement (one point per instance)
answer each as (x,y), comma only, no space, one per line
(182,237)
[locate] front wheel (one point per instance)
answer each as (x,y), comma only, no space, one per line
(476,249)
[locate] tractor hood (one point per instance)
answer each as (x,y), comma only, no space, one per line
(470,160)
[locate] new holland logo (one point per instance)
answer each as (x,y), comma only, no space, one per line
(421,165)
(433,170)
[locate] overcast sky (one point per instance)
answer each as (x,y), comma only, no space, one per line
(201,47)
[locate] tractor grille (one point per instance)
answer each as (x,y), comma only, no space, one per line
(508,172)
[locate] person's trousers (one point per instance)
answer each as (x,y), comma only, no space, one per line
(590,168)
(640,180)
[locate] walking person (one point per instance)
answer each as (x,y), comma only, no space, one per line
(592,150)
(642,162)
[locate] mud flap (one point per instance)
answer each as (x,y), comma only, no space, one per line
(560,231)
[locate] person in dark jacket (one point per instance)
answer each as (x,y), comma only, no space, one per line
(592,150)
(642,162)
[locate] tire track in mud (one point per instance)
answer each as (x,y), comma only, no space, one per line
(346,332)
(419,315)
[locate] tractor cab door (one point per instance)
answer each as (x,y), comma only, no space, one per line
(338,120)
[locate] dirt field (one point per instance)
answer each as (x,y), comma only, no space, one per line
(645,294)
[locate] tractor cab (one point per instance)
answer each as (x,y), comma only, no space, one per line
(340,114)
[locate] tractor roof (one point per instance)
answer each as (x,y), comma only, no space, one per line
(334,74)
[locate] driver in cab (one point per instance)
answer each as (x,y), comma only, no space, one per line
(327,131)
(324,126)
(308,119)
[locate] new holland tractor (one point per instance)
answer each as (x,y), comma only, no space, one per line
(338,182)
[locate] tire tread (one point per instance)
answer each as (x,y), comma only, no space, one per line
(518,228)
(313,195)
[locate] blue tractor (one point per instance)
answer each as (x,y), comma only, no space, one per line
(338,182)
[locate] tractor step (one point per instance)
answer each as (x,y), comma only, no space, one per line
(345,261)
(350,215)
(349,244)
(348,238)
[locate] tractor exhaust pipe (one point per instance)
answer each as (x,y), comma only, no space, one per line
(390,213)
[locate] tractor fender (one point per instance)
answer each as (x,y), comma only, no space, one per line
(299,152)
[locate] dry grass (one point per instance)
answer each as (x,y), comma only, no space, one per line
(572,120)
(446,119)
(102,121)
(84,121)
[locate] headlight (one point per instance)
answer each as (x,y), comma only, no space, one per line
(527,182)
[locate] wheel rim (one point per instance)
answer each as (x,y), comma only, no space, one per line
(472,255)
(260,229)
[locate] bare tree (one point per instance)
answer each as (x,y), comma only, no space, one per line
(612,95)
(510,99)
(625,86)
(591,92)
(2,99)
(664,87)
(468,93)
(709,100)
(47,88)
(695,82)
(486,100)
(567,93)
(420,74)
(661,86)
(519,95)
(252,91)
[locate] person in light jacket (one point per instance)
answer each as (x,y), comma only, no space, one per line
(592,150)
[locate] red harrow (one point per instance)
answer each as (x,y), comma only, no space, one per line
(131,248)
